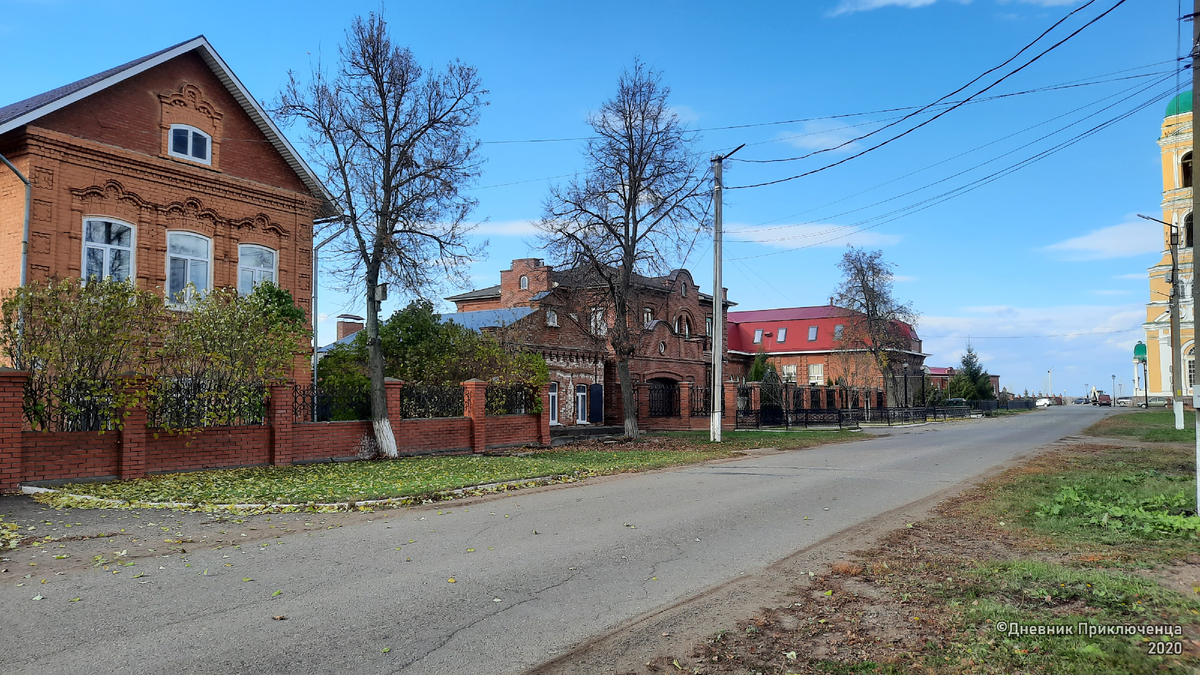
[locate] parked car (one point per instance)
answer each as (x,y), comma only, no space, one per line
(1042,402)
(962,402)
(1079,401)
(1125,401)
(1104,400)
(1154,402)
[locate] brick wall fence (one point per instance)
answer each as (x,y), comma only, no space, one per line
(685,420)
(137,450)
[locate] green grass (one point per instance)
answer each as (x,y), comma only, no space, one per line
(360,481)
(1146,425)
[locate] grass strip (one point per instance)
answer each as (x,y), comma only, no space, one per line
(1152,426)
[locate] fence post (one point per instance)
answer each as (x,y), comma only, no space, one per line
(132,434)
(393,390)
(280,417)
(729,409)
(12,395)
(544,418)
(641,394)
(685,404)
(475,407)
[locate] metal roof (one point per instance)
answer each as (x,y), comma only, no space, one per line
(488,318)
(23,112)
(478,294)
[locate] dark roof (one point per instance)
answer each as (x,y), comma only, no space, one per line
(478,294)
(14,110)
(23,112)
(488,318)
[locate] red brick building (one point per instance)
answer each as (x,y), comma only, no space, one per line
(940,378)
(562,316)
(806,346)
(165,170)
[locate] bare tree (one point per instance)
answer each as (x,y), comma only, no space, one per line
(396,145)
(638,206)
(876,316)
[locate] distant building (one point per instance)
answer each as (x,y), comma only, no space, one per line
(807,346)
(1175,145)
(940,378)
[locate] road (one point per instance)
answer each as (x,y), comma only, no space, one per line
(534,573)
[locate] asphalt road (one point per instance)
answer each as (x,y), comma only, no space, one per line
(533,573)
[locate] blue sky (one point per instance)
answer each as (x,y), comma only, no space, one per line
(1053,249)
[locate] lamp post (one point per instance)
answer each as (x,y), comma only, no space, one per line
(1114,391)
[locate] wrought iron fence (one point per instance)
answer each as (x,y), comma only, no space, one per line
(797,418)
(330,404)
(664,400)
(189,403)
(431,400)
(510,399)
(55,404)
(701,402)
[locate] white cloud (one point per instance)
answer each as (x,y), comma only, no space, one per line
(900,278)
(1131,238)
(847,6)
(507,228)
(811,234)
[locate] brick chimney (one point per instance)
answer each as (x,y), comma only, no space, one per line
(349,324)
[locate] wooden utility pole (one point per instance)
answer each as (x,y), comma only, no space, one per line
(717,386)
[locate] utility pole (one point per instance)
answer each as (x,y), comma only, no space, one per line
(717,389)
(1173,300)
(1195,54)
(1050,372)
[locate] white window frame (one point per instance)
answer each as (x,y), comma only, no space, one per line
(758,336)
(581,395)
(838,331)
(781,335)
(554,403)
(683,326)
(274,267)
(708,325)
(108,248)
(523,282)
(647,315)
(599,323)
(171,300)
(816,373)
(552,318)
(789,372)
(812,333)
(207,161)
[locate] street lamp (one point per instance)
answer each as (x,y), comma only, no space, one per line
(1113,393)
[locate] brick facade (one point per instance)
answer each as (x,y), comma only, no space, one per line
(106,155)
(671,314)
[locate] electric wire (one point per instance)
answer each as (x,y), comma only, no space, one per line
(938,115)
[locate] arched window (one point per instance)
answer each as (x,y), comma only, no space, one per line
(189,258)
(683,326)
(1185,171)
(256,264)
(524,282)
(1186,239)
(551,318)
(190,143)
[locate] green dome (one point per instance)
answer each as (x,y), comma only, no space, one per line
(1180,104)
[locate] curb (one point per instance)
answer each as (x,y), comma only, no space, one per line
(279,507)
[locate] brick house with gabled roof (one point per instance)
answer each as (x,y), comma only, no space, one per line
(561,315)
(165,170)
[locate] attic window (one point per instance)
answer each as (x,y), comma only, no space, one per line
(837,331)
(812,333)
(683,290)
(551,318)
(782,335)
(757,336)
(524,282)
(190,143)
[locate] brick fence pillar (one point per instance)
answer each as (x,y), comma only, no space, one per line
(132,437)
(475,407)
(280,417)
(685,404)
(12,394)
(641,395)
(544,418)
(393,389)
(729,414)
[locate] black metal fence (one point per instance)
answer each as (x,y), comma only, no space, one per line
(796,418)
(330,404)
(664,400)
(702,401)
(510,399)
(431,400)
(53,404)
(190,403)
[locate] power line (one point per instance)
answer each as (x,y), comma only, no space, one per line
(1027,337)
(1140,90)
(1140,87)
(948,110)
(974,185)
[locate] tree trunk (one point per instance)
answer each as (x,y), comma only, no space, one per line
(384,438)
(628,399)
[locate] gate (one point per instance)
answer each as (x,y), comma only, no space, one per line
(771,398)
(664,399)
